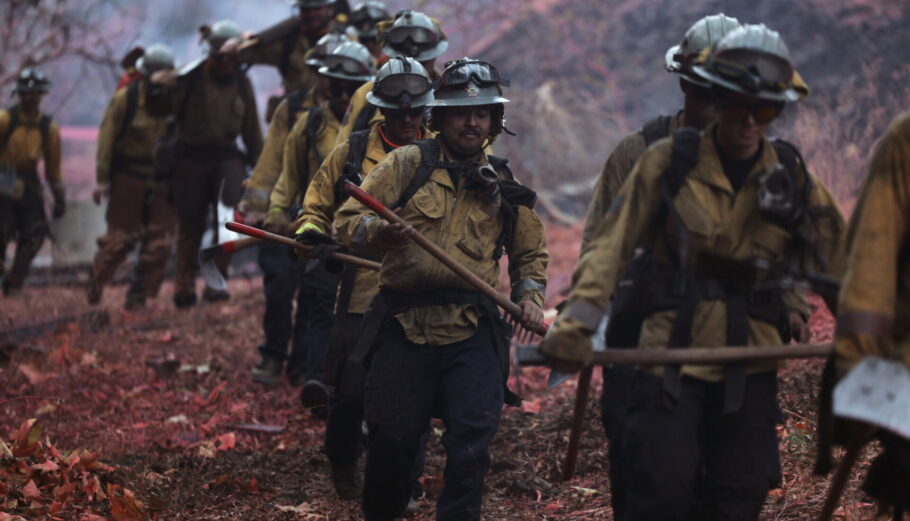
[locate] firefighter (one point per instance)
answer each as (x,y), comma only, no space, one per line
(309,142)
(437,347)
(213,104)
(280,275)
(139,207)
(873,303)
(731,218)
(364,18)
(401,92)
(27,137)
(411,34)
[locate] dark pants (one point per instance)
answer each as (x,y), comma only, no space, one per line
(25,221)
(317,299)
(281,282)
(689,461)
(344,427)
(617,384)
(407,384)
(198,181)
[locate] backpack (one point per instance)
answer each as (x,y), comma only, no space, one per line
(513,193)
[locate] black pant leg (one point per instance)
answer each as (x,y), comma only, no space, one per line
(279,283)
(615,400)
(319,287)
(660,455)
(343,431)
(400,387)
(742,462)
(471,399)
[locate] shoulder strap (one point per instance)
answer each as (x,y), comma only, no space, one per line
(363,118)
(353,166)
(656,129)
(13,123)
(429,152)
(132,104)
(295,103)
(683,158)
(788,154)
(313,124)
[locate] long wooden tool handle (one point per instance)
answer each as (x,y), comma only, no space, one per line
(287,241)
(239,244)
(373,204)
(710,355)
(839,482)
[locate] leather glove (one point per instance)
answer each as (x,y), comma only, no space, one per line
(567,345)
(254,205)
(314,238)
(59,204)
(319,256)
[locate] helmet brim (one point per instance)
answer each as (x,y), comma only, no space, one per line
(324,70)
(424,56)
(467,102)
(670,61)
(422,101)
(787,95)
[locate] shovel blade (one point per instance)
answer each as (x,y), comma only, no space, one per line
(877,392)
(211,274)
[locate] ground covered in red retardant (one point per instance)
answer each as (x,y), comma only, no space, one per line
(155,417)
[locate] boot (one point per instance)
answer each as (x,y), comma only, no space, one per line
(215,295)
(347,481)
(267,371)
(185,300)
(315,396)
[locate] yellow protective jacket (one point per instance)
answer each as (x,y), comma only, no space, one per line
(614,173)
(268,167)
(26,147)
(719,222)
(874,306)
(301,161)
(129,148)
(212,113)
(462,222)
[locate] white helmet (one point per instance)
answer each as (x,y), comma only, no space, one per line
(349,61)
(703,34)
(401,83)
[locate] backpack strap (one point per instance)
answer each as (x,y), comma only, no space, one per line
(353,167)
(315,116)
(132,104)
(429,152)
(295,104)
(656,129)
(364,117)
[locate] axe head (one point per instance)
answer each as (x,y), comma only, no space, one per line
(877,392)
(209,270)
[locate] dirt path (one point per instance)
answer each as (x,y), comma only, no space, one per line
(166,398)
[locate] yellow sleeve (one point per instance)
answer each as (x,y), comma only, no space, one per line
(287,188)
(615,171)
(357,225)
(868,296)
(319,202)
(268,166)
(528,257)
(107,134)
(53,158)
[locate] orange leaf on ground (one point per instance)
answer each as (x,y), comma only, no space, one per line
(213,396)
(33,374)
(47,466)
(63,491)
(226,442)
(9,517)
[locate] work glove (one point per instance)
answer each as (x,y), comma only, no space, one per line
(567,345)
(321,246)
(254,205)
(59,203)
(276,221)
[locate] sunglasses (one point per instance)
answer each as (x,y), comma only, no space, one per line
(763,112)
(413,112)
(336,90)
(463,72)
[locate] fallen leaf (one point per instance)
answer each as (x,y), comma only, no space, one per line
(226,442)
(46,409)
(47,466)
(30,490)
(213,395)
(33,375)
(180,418)
(207,449)
(63,491)
(9,517)
(586,492)
(531,406)
(92,517)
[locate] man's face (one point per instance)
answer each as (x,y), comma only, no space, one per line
(745,119)
(30,101)
(699,104)
(402,126)
(340,93)
(465,129)
(314,19)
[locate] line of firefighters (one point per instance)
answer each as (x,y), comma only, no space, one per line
(701,232)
